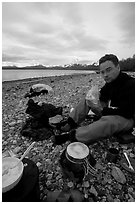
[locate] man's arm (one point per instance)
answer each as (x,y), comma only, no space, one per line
(126,106)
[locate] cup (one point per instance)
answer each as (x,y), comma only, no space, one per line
(112,155)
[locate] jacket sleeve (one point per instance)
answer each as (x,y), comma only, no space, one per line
(111,111)
(127,104)
(104,95)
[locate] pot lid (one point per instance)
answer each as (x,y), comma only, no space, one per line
(77,150)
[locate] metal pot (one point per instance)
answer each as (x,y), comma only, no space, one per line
(76,152)
(12,178)
(78,155)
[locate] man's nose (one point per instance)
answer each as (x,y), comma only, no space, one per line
(105,74)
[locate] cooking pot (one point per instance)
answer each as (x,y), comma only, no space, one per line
(13,176)
(78,156)
(77,152)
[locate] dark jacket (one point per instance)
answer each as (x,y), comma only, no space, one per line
(121,93)
(43,112)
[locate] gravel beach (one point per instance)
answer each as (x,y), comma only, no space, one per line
(68,91)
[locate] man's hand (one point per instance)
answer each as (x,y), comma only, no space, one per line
(95,107)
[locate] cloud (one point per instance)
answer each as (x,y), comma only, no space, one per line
(57,32)
(88,42)
(12,57)
(126,21)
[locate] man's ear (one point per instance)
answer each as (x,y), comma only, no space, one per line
(118,66)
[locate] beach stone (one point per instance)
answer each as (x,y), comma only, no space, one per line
(58,168)
(104,199)
(131,199)
(104,182)
(124,146)
(86,196)
(116,200)
(70,184)
(130,190)
(58,177)
(80,188)
(90,200)
(48,160)
(12,123)
(86,184)
(119,186)
(14,142)
(38,164)
(26,143)
(48,183)
(110,198)
(5,143)
(116,191)
(23,138)
(16,149)
(49,176)
(93,190)
(109,181)
(19,121)
(6,129)
(101,192)
(12,128)
(34,153)
(109,187)
(99,166)
(132,155)
(60,182)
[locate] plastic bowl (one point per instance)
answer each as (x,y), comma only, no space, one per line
(11,179)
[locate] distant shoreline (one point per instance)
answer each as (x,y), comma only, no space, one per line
(35,79)
(20,74)
(47,69)
(94,70)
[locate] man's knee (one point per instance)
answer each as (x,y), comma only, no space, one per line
(117,123)
(107,118)
(82,135)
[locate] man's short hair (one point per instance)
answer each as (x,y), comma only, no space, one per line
(110,57)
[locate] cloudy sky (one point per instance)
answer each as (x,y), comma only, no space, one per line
(58,33)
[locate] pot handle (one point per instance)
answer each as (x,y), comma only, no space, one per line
(89,169)
(85,170)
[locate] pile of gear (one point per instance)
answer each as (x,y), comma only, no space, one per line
(43,117)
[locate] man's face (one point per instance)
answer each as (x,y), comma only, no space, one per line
(109,71)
